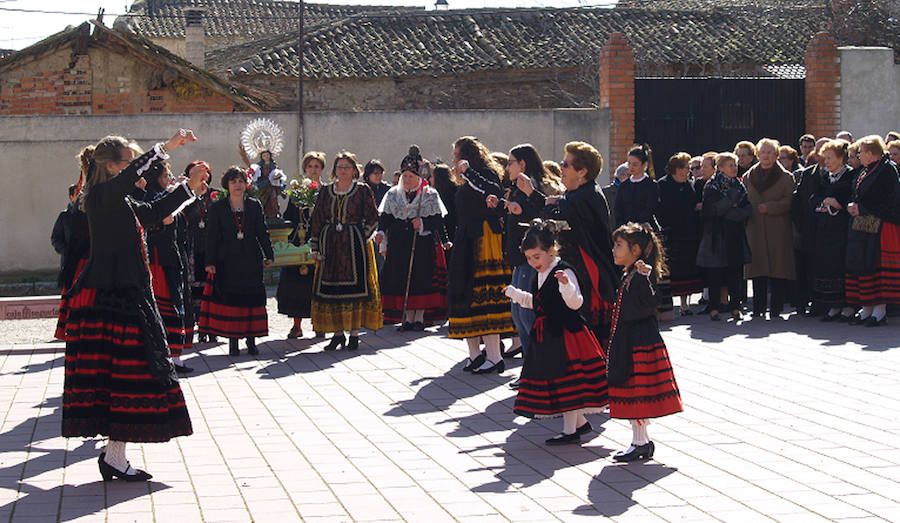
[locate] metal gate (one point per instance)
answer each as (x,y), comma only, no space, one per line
(699,115)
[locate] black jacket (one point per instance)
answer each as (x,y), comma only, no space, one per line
(471,209)
(238,262)
(118,252)
(513,231)
(62,230)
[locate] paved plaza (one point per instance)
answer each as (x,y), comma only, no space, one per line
(790,419)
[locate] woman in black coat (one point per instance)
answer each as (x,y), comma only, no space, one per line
(680,221)
(237,248)
(723,249)
(119,380)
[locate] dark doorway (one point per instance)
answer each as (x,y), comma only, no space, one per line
(700,115)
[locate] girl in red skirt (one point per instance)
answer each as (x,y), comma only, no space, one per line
(237,248)
(564,373)
(641,382)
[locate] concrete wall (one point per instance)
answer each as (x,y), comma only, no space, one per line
(870,100)
(39,152)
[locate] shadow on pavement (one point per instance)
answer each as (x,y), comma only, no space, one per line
(611,492)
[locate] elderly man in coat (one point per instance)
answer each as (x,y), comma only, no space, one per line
(770,190)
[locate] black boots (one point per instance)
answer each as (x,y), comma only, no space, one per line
(233,349)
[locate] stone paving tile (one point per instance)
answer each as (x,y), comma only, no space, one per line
(786,426)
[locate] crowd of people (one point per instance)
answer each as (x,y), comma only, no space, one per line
(498,245)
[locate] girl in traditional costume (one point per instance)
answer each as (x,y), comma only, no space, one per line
(237,249)
(119,380)
(564,373)
(411,232)
(641,382)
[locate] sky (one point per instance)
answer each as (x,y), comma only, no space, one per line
(21,29)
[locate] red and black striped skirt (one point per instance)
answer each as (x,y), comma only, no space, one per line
(108,389)
(651,391)
(882,286)
(172,320)
(583,388)
(230,318)
(60,333)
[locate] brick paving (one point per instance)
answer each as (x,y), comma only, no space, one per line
(789,426)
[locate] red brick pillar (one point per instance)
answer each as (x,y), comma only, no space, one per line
(823,86)
(617,95)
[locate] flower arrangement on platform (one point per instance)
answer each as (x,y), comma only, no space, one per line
(303,194)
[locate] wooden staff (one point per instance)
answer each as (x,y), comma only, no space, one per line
(412,254)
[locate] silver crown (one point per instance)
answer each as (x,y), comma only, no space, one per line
(261,135)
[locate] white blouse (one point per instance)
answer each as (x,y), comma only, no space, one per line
(571,293)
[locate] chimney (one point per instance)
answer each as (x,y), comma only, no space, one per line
(194,36)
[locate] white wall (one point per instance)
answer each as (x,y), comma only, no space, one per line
(870,91)
(39,152)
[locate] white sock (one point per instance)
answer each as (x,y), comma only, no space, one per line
(847,312)
(177,361)
(832,312)
(570,422)
(115,456)
(580,420)
(420,315)
(492,345)
(865,312)
(639,434)
(706,293)
(409,317)
(879,311)
(474,347)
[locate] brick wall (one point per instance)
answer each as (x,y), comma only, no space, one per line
(823,86)
(617,95)
(100,82)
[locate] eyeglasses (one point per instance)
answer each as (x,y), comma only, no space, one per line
(564,164)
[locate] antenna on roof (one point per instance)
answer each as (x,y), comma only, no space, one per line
(100,15)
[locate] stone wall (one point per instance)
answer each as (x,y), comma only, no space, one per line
(44,149)
(870,99)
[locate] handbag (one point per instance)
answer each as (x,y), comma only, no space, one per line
(868,223)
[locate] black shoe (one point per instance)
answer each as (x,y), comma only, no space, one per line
(512,353)
(109,472)
(829,318)
(584,429)
(418,326)
(212,338)
(251,347)
(564,439)
(844,319)
(201,338)
(474,364)
(642,452)
(183,369)
(319,334)
(233,349)
(856,319)
(514,385)
(714,317)
(872,322)
(295,332)
(497,367)
(405,326)
(353,343)
(736,315)
(337,340)
(705,310)
(687,312)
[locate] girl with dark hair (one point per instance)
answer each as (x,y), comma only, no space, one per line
(446,184)
(680,223)
(76,248)
(638,198)
(119,380)
(524,202)
(564,369)
(641,382)
(166,264)
(237,249)
(373,175)
(345,286)
(477,273)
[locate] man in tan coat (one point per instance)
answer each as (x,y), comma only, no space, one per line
(769,231)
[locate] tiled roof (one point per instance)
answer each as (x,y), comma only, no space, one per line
(451,42)
(5,52)
(224,18)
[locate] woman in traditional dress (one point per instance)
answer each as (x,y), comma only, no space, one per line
(295,284)
(196,216)
(829,203)
(73,243)
(119,380)
(873,243)
(723,249)
(345,289)
(587,245)
(679,220)
(166,264)
(770,189)
(237,249)
(477,274)
(414,290)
